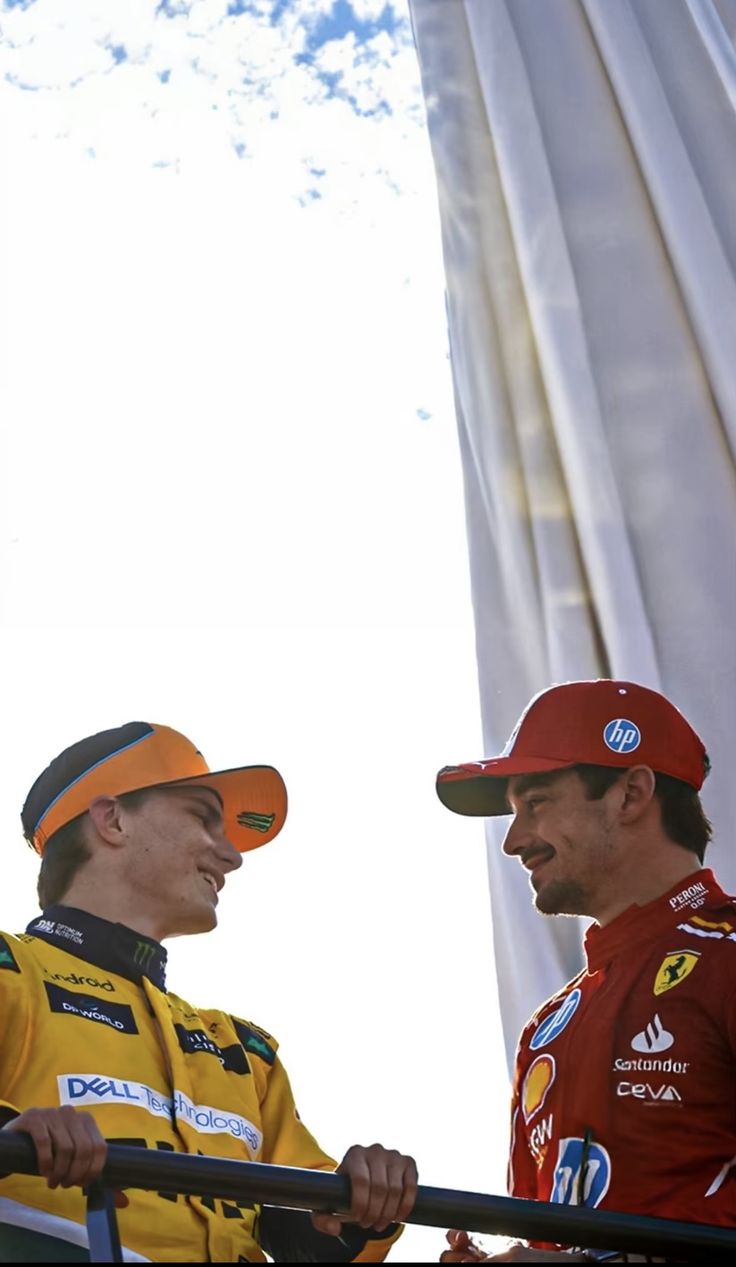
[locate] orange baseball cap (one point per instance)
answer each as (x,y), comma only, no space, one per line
(140,755)
(601,722)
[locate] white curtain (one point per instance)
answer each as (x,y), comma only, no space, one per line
(586,164)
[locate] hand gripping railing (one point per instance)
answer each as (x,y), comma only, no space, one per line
(129,1167)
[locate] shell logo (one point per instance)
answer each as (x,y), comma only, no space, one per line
(539,1078)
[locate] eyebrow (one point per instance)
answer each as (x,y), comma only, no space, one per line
(524,783)
(215,811)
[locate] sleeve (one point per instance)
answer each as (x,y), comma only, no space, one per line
(729,1006)
(522,1170)
(9,1004)
(286,1140)
(288,1235)
(12,1004)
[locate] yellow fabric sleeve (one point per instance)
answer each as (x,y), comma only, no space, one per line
(291,1144)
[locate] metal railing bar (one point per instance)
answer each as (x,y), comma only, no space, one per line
(294,1188)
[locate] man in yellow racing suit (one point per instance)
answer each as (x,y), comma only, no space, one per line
(137,837)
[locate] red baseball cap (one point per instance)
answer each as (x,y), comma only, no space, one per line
(600,722)
(144,755)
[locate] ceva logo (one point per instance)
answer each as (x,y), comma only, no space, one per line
(650,1094)
(554,1024)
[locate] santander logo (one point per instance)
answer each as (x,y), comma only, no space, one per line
(653,1038)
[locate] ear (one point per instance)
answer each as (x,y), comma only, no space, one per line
(638,793)
(106,814)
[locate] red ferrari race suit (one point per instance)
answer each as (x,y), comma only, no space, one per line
(625,1084)
(86,1020)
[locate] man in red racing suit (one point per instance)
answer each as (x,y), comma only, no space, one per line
(638,1052)
(624,1092)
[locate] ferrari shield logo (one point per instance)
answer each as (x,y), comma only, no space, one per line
(674,968)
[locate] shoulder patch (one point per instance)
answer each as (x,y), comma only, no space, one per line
(253,1041)
(7,958)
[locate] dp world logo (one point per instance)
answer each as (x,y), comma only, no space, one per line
(621,735)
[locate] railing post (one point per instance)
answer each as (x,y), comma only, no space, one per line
(102,1225)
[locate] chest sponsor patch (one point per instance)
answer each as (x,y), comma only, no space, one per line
(539,1078)
(650,1064)
(7,958)
(117,1016)
(650,1092)
(673,969)
(232,1058)
(582,1173)
(74,979)
(80,1089)
(654,1037)
(553,1025)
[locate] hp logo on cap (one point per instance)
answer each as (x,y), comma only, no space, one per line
(621,735)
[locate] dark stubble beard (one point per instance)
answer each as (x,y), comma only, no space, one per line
(569,896)
(562,897)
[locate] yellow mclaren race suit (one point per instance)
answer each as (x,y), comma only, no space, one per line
(85,1020)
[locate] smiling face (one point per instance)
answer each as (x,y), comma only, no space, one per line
(177,858)
(567,843)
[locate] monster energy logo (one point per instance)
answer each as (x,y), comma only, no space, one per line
(143,953)
(259,822)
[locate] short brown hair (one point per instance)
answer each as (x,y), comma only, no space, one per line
(67,852)
(683,818)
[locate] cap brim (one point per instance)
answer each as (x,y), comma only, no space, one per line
(253,799)
(479,788)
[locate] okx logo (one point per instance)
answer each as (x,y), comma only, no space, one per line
(582,1173)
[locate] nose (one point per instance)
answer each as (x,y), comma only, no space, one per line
(517,837)
(230,857)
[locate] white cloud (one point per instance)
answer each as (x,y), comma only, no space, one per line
(373,10)
(234,85)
